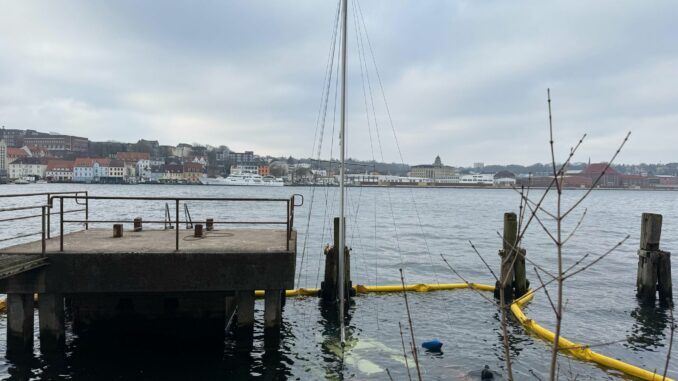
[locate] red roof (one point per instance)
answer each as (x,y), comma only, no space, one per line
(16,152)
(132,156)
(59,164)
(598,168)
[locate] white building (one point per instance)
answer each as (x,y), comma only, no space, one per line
(144,170)
(59,170)
(477,178)
(27,166)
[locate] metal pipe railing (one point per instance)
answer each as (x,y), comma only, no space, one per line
(289,221)
(45,213)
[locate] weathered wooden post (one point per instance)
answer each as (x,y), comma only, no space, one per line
(654,265)
(137,224)
(507,253)
(329,287)
(117,230)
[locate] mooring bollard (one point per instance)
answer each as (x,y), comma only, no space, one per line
(654,265)
(209,224)
(137,224)
(198,231)
(117,230)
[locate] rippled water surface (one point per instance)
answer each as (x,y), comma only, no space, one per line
(390,229)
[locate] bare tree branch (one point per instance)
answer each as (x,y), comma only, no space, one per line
(526,258)
(402,340)
(546,291)
(576,227)
(599,177)
(668,352)
(482,259)
(597,259)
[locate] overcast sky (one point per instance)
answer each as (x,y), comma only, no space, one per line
(464,79)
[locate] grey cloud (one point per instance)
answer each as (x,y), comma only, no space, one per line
(464,79)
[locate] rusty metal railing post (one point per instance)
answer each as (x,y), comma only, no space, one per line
(288,226)
(49,222)
(61,223)
(176,225)
(43,230)
(86,210)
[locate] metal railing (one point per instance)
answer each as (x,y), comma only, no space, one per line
(290,203)
(45,212)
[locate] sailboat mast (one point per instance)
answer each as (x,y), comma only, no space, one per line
(342,170)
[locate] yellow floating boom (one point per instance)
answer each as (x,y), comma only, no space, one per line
(579,351)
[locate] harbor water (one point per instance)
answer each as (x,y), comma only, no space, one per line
(389,229)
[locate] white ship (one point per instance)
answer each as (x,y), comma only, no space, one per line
(244,179)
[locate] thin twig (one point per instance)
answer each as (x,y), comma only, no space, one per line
(576,263)
(482,259)
(668,353)
(576,227)
(597,259)
(467,282)
(537,206)
(534,212)
(389,374)
(402,340)
(526,258)
(599,177)
(409,320)
(546,291)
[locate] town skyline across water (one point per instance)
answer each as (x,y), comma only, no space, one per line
(38,156)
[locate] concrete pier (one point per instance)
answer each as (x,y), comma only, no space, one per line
(139,281)
(19,323)
(51,321)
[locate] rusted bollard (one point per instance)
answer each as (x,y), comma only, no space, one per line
(137,224)
(198,233)
(117,230)
(654,265)
(209,224)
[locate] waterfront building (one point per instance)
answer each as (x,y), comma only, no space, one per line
(264,170)
(27,166)
(3,158)
(182,150)
(98,170)
(59,170)
(610,177)
(504,179)
(478,179)
(241,157)
(192,172)
(57,142)
(436,172)
(14,153)
(135,163)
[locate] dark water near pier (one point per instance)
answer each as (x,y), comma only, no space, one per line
(389,229)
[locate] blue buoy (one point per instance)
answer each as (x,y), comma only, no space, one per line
(432,345)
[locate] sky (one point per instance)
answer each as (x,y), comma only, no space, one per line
(465,80)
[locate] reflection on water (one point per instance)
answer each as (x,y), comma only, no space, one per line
(651,322)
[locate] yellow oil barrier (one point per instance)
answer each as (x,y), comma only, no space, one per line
(579,351)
